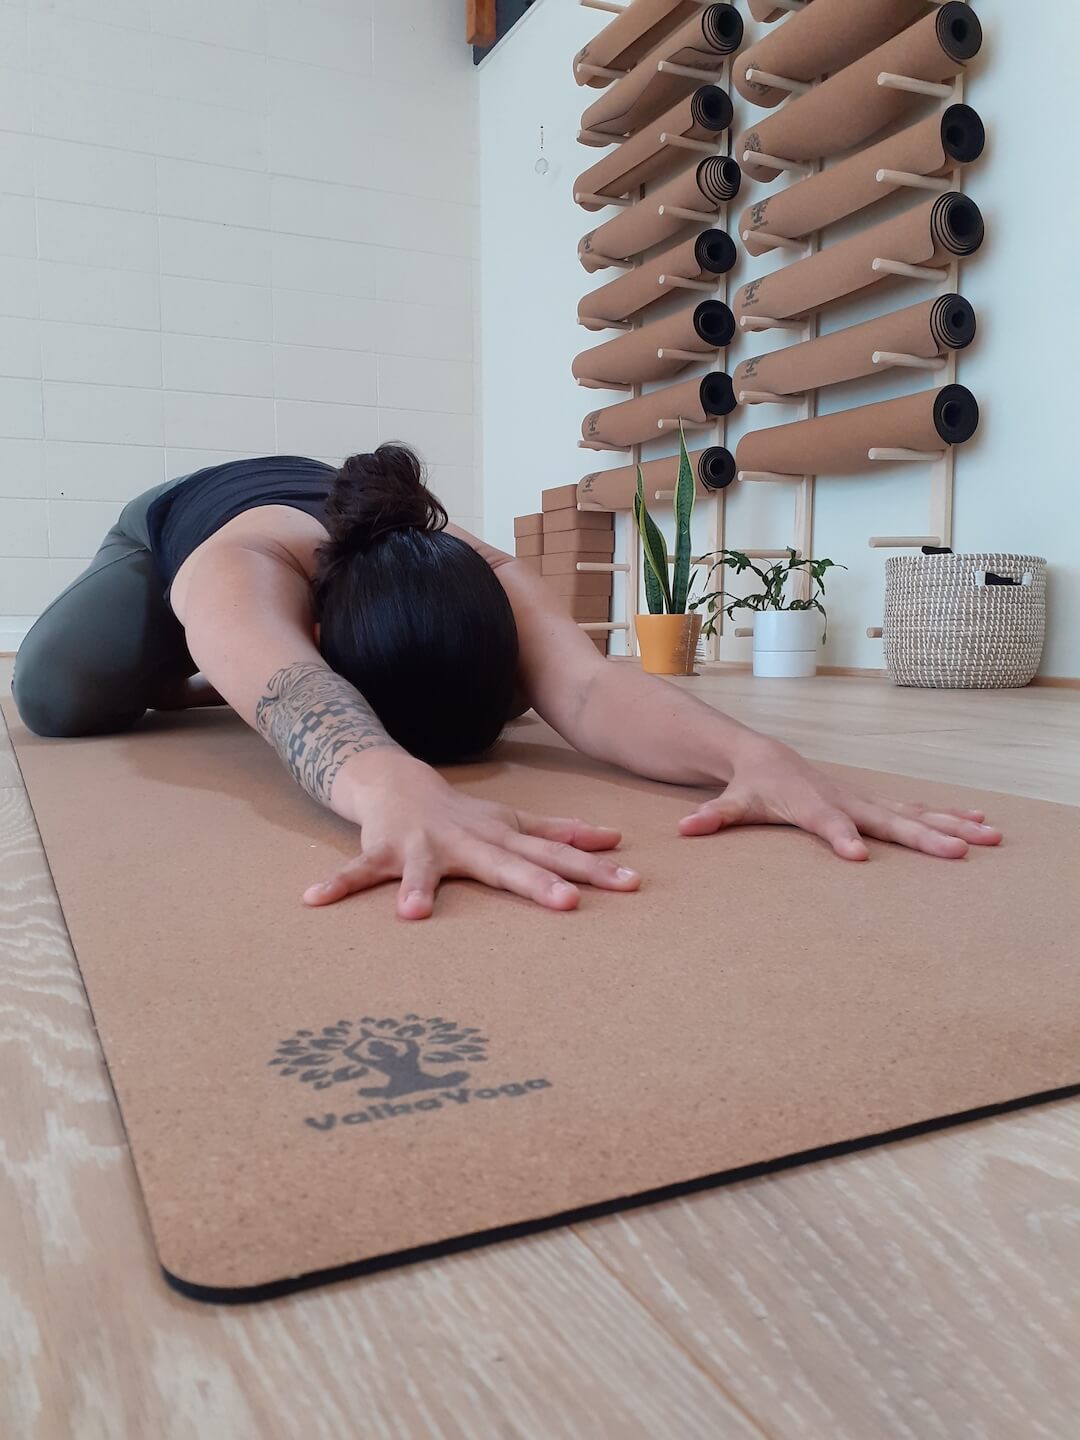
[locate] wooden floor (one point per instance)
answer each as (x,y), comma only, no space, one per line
(923,1290)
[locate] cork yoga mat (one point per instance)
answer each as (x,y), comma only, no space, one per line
(702,188)
(645,354)
(704,42)
(850,106)
(634,421)
(839,444)
(824,38)
(630,36)
(934,146)
(927,330)
(934,233)
(714,469)
(766,11)
(308,1092)
(702,257)
(701,116)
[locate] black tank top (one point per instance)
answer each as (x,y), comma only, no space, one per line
(181,519)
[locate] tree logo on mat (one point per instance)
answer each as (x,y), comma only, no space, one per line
(429,1058)
(394,1049)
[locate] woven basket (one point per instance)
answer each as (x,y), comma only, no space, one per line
(944,630)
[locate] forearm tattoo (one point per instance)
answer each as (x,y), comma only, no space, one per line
(316,721)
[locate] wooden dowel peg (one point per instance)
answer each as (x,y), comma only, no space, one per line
(606,385)
(701,356)
(599,445)
(769,475)
(604,324)
(778,242)
(789,4)
(663,494)
(766,397)
(897,452)
(607,263)
(765,554)
(916,87)
(874,632)
(601,72)
(682,142)
(902,542)
(775,82)
(917,182)
(598,137)
(705,217)
(765,322)
(887,358)
(597,567)
(673,424)
(622,202)
(688,72)
(775,162)
(694,559)
(743,632)
(607,5)
(598,627)
(912,272)
(678,283)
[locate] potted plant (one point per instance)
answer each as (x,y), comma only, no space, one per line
(786,631)
(668,634)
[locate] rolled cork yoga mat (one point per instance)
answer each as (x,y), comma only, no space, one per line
(704,42)
(820,41)
(839,444)
(934,233)
(632,359)
(767,12)
(700,116)
(703,187)
(636,420)
(934,146)
(714,469)
(630,36)
(927,330)
(850,106)
(702,257)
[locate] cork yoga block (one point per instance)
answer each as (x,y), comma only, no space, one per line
(820,40)
(929,329)
(702,257)
(714,469)
(593,585)
(588,607)
(529,545)
(934,146)
(703,42)
(700,116)
(634,421)
(561,497)
(630,36)
(839,444)
(850,106)
(633,358)
(703,187)
(932,234)
(567,564)
(532,562)
(528,525)
(579,542)
(560,520)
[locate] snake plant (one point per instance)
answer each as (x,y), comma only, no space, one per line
(664,591)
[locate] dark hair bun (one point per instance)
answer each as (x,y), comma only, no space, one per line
(374,495)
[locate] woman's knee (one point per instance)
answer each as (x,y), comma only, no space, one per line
(56,696)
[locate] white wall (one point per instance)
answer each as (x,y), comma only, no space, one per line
(1014,489)
(227,227)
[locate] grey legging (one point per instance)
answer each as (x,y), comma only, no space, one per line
(94,659)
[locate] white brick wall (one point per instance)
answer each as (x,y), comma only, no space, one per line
(227,227)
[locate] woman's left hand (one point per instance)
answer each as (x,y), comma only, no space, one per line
(772,785)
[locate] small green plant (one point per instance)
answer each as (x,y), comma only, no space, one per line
(666,592)
(771,593)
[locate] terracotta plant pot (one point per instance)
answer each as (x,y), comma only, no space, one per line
(667,643)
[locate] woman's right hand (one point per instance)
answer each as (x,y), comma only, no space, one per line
(417,828)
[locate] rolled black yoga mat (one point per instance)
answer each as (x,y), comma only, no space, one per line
(709,254)
(714,469)
(701,116)
(703,42)
(932,234)
(636,420)
(632,359)
(703,187)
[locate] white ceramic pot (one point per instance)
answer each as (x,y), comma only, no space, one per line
(786,643)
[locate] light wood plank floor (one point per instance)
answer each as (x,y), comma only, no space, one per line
(926,1289)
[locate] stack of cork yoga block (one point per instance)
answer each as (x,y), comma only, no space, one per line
(560,538)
